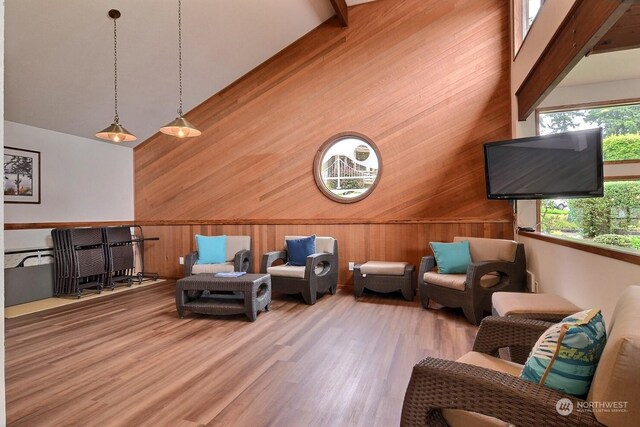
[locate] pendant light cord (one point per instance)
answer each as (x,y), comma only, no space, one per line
(180,53)
(116,119)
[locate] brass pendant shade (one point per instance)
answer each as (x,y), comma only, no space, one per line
(181,128)
(115,132)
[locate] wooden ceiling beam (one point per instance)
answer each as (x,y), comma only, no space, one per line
(625,34)
(585,24)
(342,11)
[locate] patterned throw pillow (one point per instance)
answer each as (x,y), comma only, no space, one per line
(567,354)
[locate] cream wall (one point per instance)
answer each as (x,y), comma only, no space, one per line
(81,180)
(586,279)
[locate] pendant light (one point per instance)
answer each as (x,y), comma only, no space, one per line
(115,132)
(180,127)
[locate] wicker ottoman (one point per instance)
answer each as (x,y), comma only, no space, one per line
(246,294)
(382,276)
(547,307)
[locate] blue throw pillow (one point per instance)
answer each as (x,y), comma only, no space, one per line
(299,249)
(211,249)
(452,258)
(567,354)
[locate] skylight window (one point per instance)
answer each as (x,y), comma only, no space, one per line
(530,9)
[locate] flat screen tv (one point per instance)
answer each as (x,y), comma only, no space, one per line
(562,165)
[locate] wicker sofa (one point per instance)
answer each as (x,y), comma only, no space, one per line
(497,266)
(442,392)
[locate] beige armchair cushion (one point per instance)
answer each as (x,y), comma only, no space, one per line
(287,271)
(236,244)
(383,267)
(520,303)
(457,281)
(617,377)
(211,268)
(323,244)
(490,249)
(457,417)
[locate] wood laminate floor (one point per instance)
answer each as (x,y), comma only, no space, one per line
(129,360)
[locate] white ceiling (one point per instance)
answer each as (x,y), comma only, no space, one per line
(605,67)
(59,56)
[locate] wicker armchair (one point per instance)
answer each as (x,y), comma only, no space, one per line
(238,258)
(480,389)
(498,266)
(319,275)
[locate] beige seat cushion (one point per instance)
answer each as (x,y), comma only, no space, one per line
(236,244)
(383,267)
(457,417)
(519,303)
(211,268)
(323,244)
(287,271)
(490,249)
(457,281)
(617,377)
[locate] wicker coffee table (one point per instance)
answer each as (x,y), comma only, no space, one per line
(246,294)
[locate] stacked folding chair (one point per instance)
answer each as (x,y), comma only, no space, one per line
(120,258)
(61,260)
(80,261)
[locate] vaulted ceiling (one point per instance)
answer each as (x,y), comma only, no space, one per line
(59,56)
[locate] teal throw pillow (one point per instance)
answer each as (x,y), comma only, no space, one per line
(299,249)
(567,354)
(452,258)
(211,249)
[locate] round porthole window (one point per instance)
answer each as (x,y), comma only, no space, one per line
(347,167)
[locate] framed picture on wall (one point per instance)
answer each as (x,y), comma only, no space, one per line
(21,175)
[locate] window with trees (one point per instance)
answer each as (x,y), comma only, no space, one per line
(615,218)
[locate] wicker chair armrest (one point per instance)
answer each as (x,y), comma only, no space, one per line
(189,261)
(498,332)
(427,263)
(437,384)
(242,260)
(270,257)
(328,261)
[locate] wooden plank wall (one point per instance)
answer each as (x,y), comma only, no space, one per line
(427,80)
(356,242)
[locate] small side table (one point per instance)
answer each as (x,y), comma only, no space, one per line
(384,276)
(255,289)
